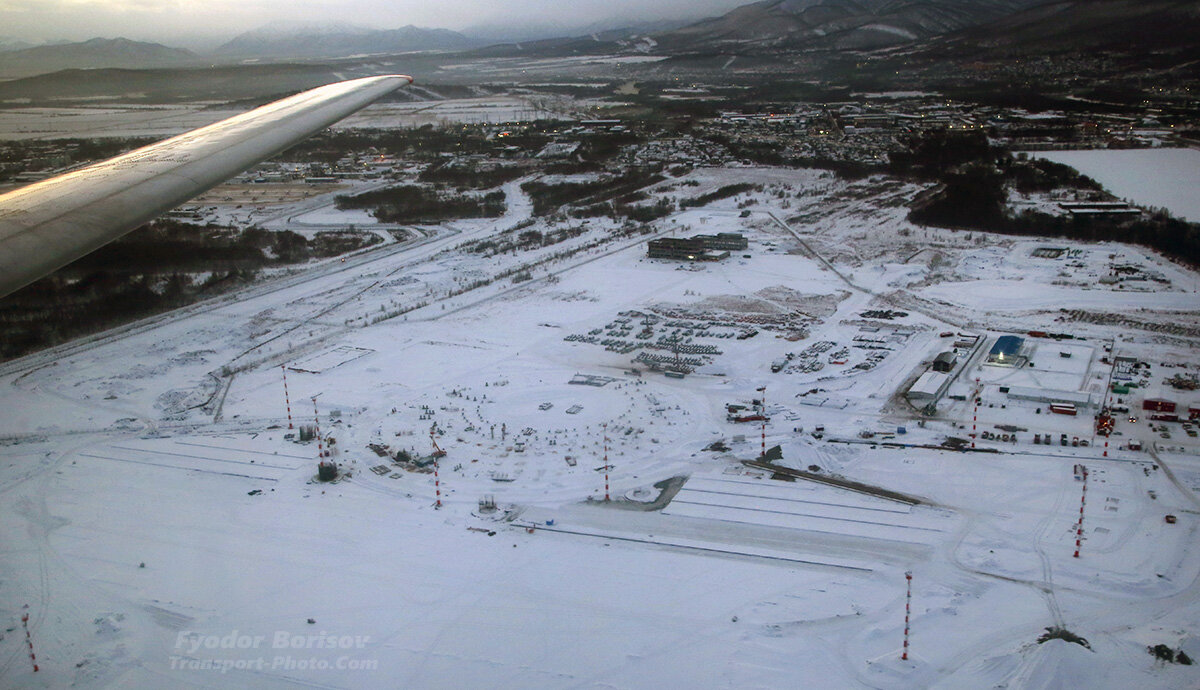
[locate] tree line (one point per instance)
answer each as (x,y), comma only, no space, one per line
(160,266)
(974,179)
(417,204)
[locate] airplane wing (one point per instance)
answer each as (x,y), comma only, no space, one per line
(49,224)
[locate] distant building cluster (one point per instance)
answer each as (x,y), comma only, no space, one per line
(675,151)
(373,165)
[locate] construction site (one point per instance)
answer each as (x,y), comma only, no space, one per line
(903,474)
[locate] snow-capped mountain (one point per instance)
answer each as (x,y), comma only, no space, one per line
(835,24)
(338,40)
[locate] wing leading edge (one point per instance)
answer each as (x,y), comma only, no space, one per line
(49,224)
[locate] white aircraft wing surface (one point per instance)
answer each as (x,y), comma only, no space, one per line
(47,225)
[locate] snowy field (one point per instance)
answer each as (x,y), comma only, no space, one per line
(107,121)
(163,526)
(169,120)
(483,110)
(1163,178)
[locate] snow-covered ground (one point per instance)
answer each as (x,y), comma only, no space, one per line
(169,120)
(107,121)
(163,528)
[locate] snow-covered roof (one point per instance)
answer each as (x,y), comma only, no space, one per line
(929,384)
(1050,395)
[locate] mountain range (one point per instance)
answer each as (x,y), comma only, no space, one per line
(272,42)
(9,43)
(774,34)
(1148,26)
(338,40)
(774,25)
(97,52)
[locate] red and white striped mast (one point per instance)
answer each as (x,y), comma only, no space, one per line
(1079,525)
(286,399)
(437,481)
(29,640)
(907,613)
(763,413)
(317,427)
(975,414)
(605,462)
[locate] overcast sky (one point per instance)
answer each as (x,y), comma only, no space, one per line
(203,21)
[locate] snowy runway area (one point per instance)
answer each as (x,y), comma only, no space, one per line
(803,508)
(164,527)
(201,457)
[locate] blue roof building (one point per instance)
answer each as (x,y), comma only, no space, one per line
(1006,350)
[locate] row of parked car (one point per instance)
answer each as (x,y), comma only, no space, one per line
(1048,439)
